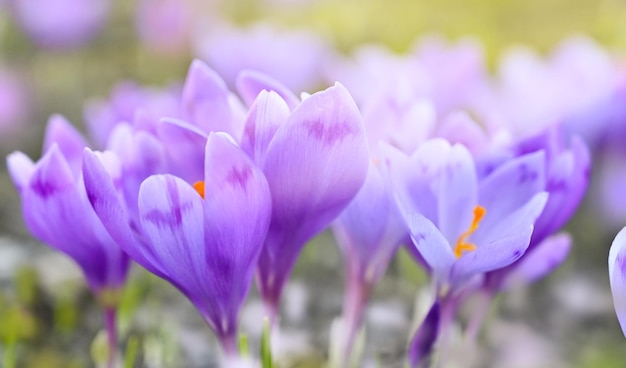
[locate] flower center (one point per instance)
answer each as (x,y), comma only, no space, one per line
(199,187)
(462,245)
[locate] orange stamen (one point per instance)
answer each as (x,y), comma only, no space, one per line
(199,187)
(462,245)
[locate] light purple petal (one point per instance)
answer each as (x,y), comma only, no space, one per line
(250,83)
(506,244)
(103,196)
(617,276)
(57,211)
(185,145)
(509,187)
(411,177)
(431,245)
(206,102)
(456,188)
(268,112)
(316,162)
(539,261)
(70,141)
(369,230)
(237,209)
(20,168)
(173,222)
(510,223)
(567,181)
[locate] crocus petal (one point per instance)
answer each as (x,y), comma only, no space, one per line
(57,211)
(456,186)
(510,186)
(507,244)
(104,198)
(20,168)
(568,177)
(237,209)
(185,145)
(268,112)
(206,100)
(70,141)
(431,245)
(316,162)
(617,276)
(538,262)
(250,83)
(370,229)
(422,343)
(172,221)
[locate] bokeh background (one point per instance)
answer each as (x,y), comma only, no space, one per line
(47,316)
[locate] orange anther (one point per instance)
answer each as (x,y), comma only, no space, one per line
(199,187)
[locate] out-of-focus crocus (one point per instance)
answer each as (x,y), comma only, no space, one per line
(463,227)
(13,103)
(296,58)
(132,104)
(617,276)
(61,24)
(315,159)
(203,238)
(368,232)
(57,211)
(164,26)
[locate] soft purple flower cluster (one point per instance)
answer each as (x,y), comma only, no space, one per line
(210,189)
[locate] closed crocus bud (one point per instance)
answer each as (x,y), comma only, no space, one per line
(315,162)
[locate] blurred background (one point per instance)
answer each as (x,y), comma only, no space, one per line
(67,56)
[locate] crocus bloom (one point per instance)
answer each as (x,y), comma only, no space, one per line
(61,24)
(315,159)
(567,169)
(203,238)
(617,276)
(294,57)
(462,227)
(57,211)
(164,25)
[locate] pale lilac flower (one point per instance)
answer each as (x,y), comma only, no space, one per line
(617,276)
(205,239)
(164,26)
(464,227)
(57,211)
(61,24)
(295,57)
(315,159)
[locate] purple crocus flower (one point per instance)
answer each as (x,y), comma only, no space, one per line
(57,211)
(61,24)
(315,159)
(230,50)
(164,25)
(617,276)
(567,170)
(463,227)
(205,239)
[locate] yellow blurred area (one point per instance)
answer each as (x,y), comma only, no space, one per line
(397,23)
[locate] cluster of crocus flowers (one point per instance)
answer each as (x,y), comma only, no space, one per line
(211,189)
